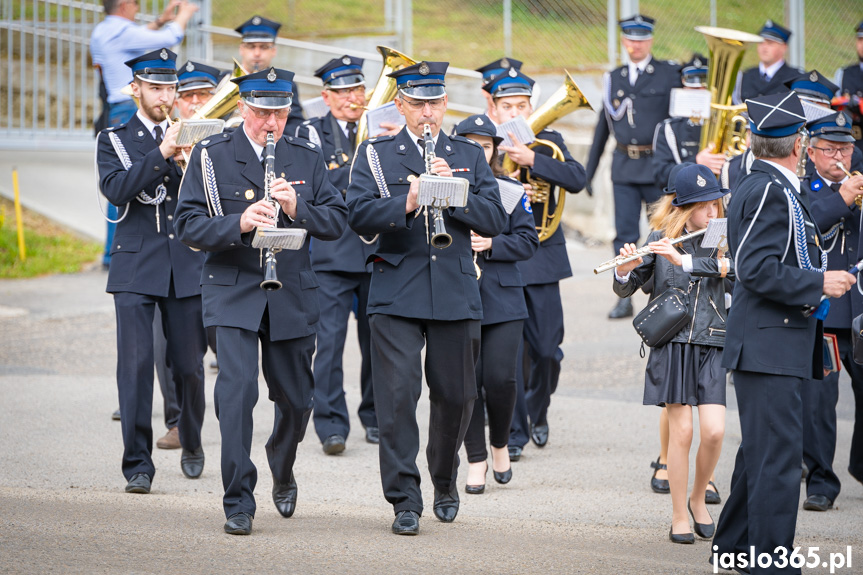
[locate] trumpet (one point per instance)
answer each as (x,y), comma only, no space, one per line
(171,122)
(857,199)
(353,106)
(271,281)
(440,239)
(642,251)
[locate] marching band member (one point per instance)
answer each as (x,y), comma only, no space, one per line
(501,288)
(772,345)
(421,295)
(543,329)
(488,72)
(837,214)
(686,371)
(850,82)
(340,265)
(196,86)
(220,217)
(150,268)
(771,73)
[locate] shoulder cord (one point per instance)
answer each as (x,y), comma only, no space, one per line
(799,228)
(672,142)
(143,197)
(378,174)
(625,105)
(211,188)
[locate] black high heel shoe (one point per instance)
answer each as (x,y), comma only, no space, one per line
(502,477)
(477,489)
(712,497)
(685,538)
(659,485)
(704,530)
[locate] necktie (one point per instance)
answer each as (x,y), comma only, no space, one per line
(765,77)
(421,143)
(158,134)
(835,187)
(352,134)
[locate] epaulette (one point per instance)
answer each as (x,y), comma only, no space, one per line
(215,139)
(550,131)
(464,140)
(377,139)
(672,62)
(300,142)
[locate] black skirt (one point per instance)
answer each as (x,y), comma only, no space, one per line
(684,373)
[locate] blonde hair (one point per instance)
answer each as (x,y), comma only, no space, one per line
(671,219)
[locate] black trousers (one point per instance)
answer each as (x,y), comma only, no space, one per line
(761,510)
(183,326)
(287,369)
(627,210)
(170,405)
(819,422)
(543,334)
(452,350)
(495,386)
(336,297)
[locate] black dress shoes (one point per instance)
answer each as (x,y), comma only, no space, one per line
(503,477)
(406,523)
(373,435)
(703,530)
(621,310)
(514,452)
(711,496)
(477,489)
(539,434)
(192,463)
(285,496)
(116,415)
(685,538)
(140,483)
(817,503)
(334,444)
(659,485)
(239,524)
(446,505)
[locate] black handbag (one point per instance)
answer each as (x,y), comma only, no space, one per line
(663,317)
(857,338)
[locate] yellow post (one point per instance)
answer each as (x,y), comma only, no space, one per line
(22,252)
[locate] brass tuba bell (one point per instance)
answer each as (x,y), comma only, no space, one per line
(385,88)
(726,128)
(564,100)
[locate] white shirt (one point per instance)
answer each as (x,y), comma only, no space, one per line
(259,150)
(770,70)
(150,125)
(116,39)
(789,175)
(636,69)
(829,181)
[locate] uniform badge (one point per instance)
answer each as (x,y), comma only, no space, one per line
(424,69)
(700,181)
(163,54)
(813,76)
(401,146)
(205,142)
(649,69)
(250,194)
(271,77)
(638,19)
(448,149)
(479,122)
(816,185)
(256,20)
(140,133)
(624,73)
(190,67)
(697,63)
(525,203)
(513,73)
(840,120)
(504,63)
(768,24)
(411,178)
(311,145)
(346,60)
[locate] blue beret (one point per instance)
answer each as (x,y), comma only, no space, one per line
(775,115)
(156,67)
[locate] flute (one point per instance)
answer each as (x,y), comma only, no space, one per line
(643,251)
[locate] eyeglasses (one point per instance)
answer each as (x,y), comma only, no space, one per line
(190,95)
(263,114)
(345,92)
(831,152)
(418,105)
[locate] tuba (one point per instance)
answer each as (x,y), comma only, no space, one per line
(224,101)
(726,128)
(566,99)
(385,89)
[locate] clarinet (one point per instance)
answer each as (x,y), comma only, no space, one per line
(271,282)
(440,239)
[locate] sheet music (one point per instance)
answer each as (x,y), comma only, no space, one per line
(387,113)
(519,127)
(689,103)
(443,192)
(511,194)
(315,108)
(716,234)
(193,131)
(279,238)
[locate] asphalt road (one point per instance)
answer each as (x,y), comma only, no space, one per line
(580,505)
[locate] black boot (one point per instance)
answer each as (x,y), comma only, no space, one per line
(622,309)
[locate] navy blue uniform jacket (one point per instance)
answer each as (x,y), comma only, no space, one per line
(501,286)
(410,277)
(232,272)
(767,331)
(144,260)
(348,253)
(550,263)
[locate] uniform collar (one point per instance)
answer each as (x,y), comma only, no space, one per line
(149,124)
(789,175)
(828,181)
(641,66)
(259,150)
(770,70)
(414,139)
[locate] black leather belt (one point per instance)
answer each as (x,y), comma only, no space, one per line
(636,152)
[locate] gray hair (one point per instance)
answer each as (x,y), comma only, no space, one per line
(111,6)
(768,148)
